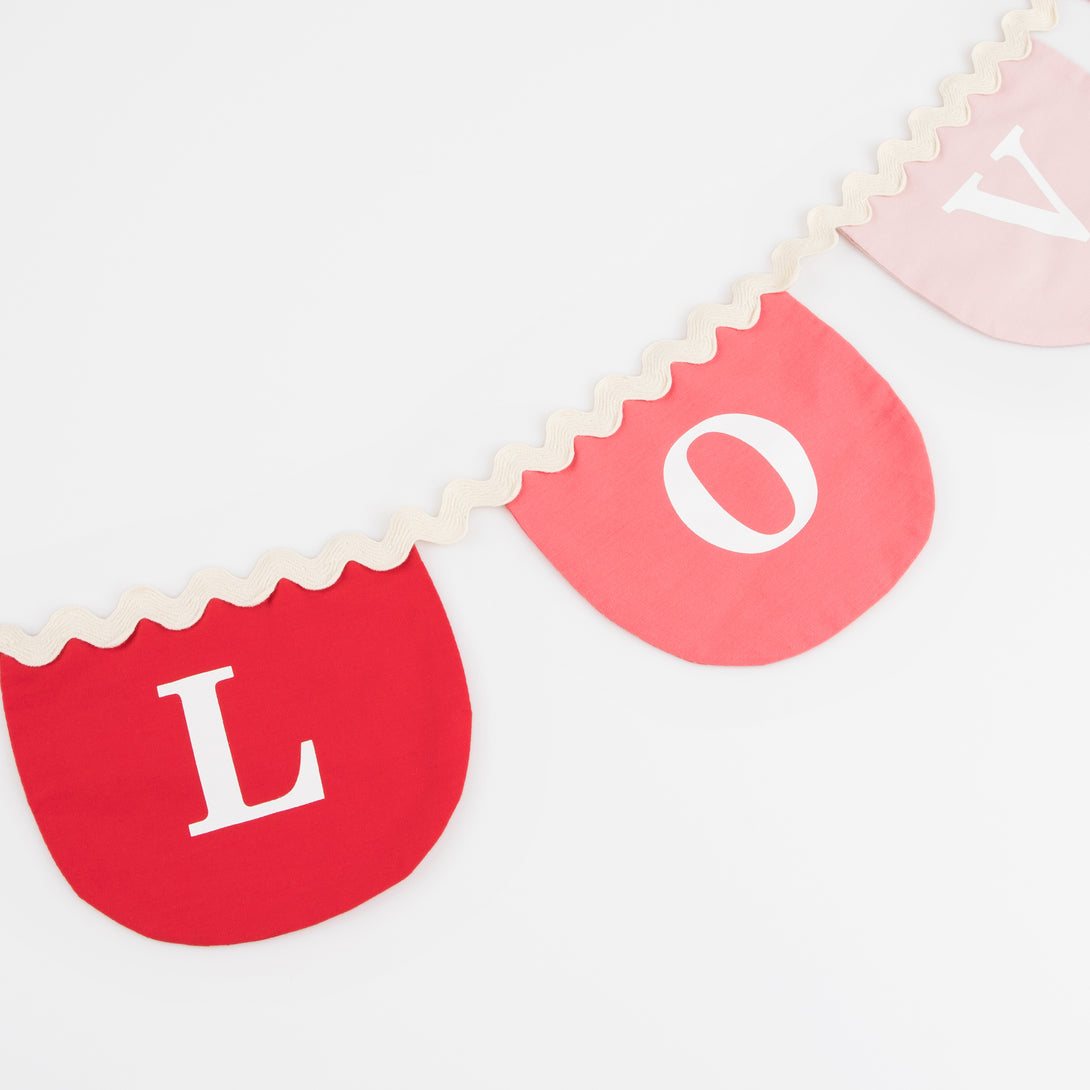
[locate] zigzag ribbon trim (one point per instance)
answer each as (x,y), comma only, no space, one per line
(410,525)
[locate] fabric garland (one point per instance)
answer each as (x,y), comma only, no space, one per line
(267,763)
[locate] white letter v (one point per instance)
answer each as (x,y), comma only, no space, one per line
(1060,223)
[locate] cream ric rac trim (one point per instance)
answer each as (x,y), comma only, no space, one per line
(410,525)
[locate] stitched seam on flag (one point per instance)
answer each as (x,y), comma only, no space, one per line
(410,525)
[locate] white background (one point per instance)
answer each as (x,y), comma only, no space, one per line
(269,271)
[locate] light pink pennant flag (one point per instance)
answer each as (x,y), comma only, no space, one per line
(996,230)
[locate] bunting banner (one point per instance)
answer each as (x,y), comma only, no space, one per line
(259,755)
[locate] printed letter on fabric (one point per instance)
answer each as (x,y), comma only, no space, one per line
(215,766)
(700,510)
(1061,222)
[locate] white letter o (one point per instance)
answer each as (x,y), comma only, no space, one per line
(698,509)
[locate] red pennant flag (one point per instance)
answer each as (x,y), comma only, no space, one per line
(263,770)
(773,495)
(996,230)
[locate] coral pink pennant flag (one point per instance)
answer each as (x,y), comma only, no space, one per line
(773,495)
(265,769)
(996,230)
